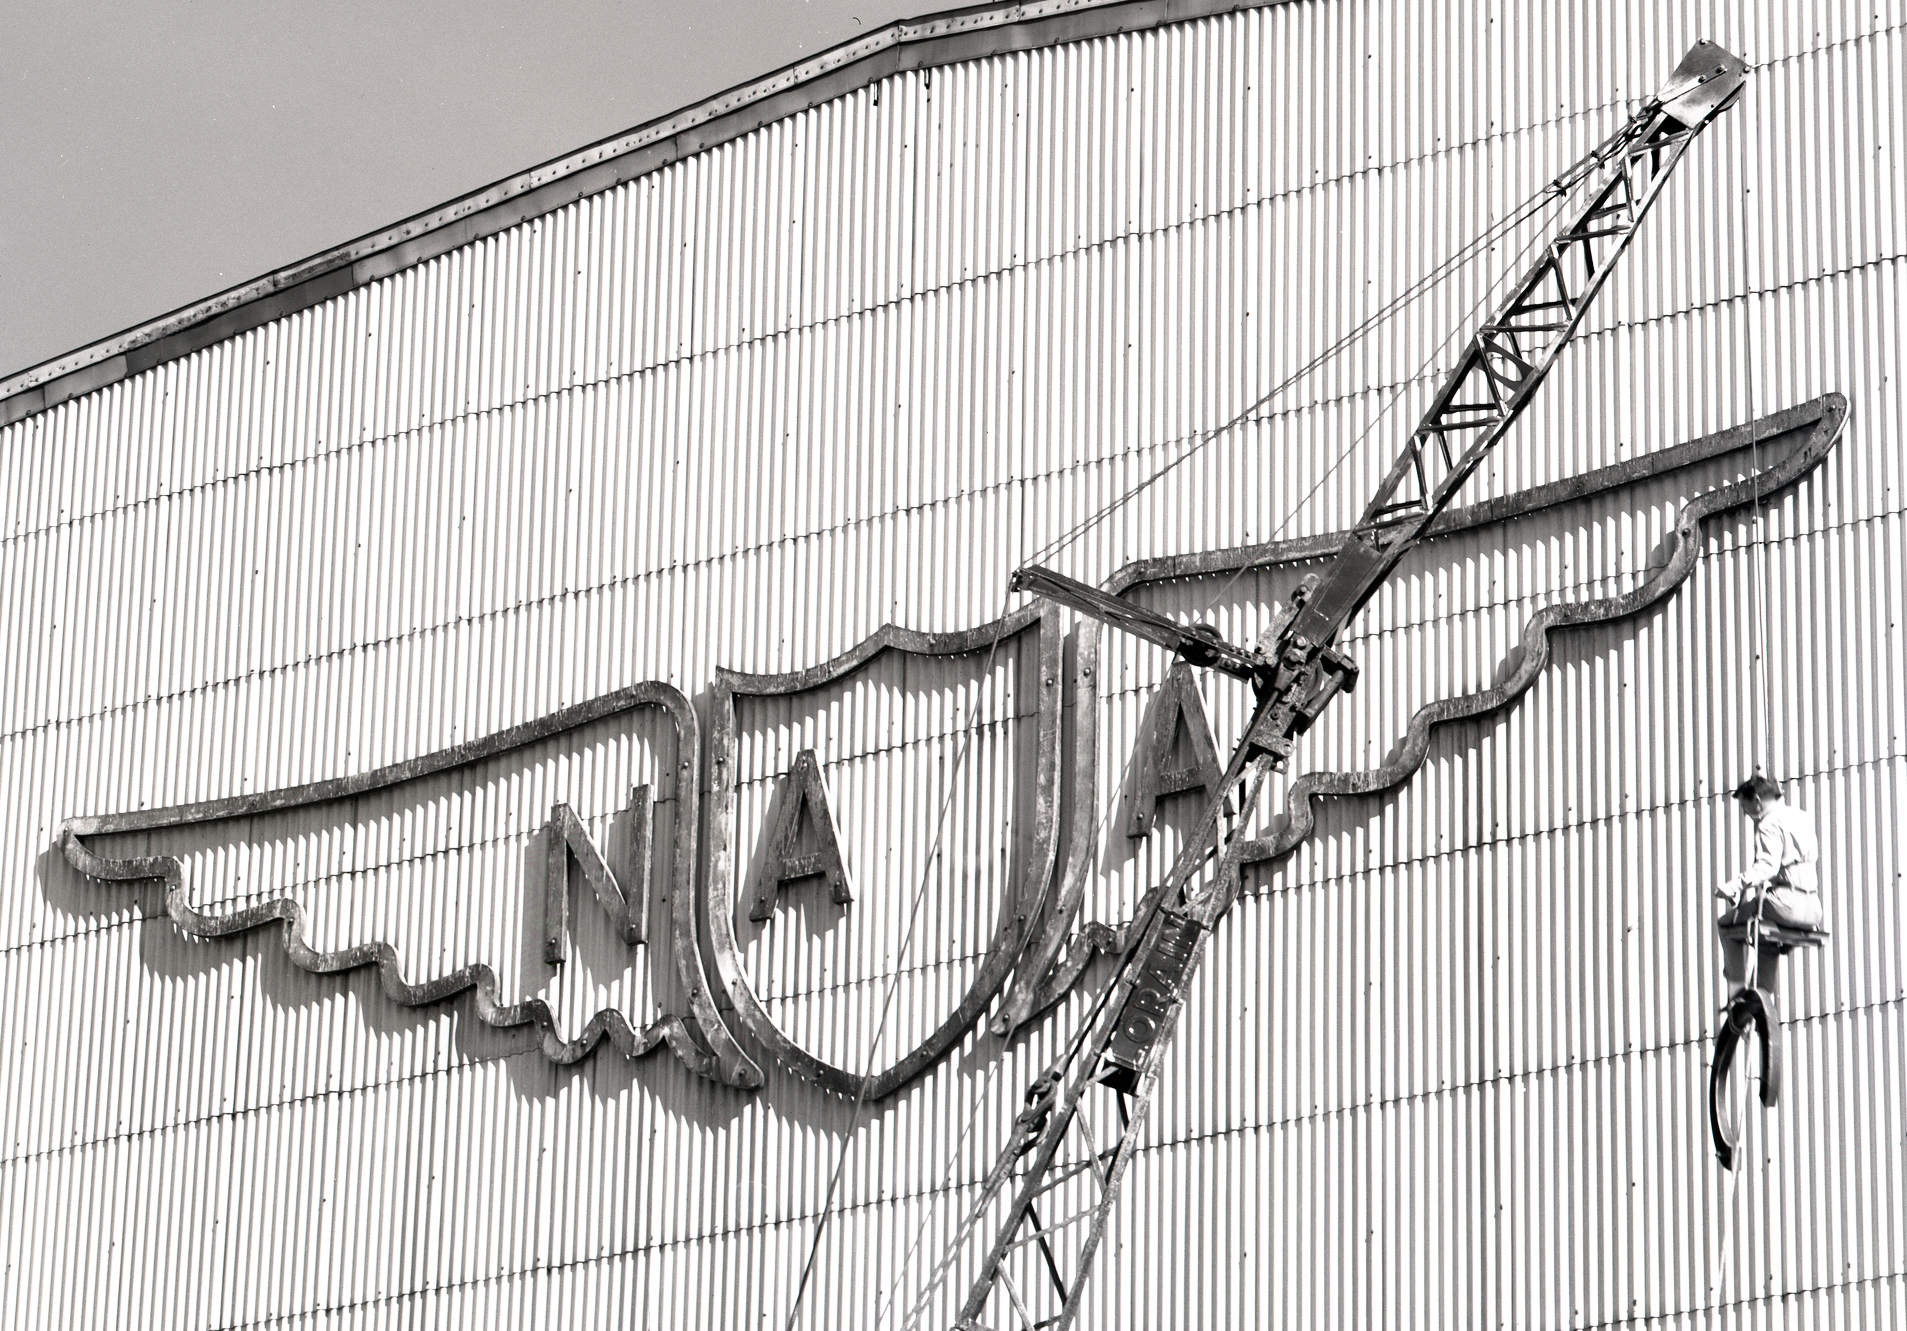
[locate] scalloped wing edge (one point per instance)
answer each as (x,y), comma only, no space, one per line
(1058,962)
(609,1023)
(704,1044)
(1760,488)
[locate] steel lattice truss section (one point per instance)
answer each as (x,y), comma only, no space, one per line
(1512,352)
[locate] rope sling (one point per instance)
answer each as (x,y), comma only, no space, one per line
(1754,1007)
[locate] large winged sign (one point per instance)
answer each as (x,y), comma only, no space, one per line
(820,873)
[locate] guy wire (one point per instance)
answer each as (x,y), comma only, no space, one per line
(900,957)
(1344,454)
(1106,806)
(1200,442)
(1411,294)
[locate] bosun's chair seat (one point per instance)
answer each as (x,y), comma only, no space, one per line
(1786,937)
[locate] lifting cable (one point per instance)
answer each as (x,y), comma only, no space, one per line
(1106,806)
(1462,328)
(1410,295)
(1082,1030)
(1761,695)
(900,958)
(860,1096)
(1250,415)
(1758,555)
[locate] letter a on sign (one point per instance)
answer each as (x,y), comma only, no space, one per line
(1177,707)
(802,791)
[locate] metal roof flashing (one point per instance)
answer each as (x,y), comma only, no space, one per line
(931,41)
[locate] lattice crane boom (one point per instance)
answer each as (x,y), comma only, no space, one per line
(1050,1194)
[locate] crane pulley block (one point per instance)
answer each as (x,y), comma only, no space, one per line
(1298,695)
(1703,85)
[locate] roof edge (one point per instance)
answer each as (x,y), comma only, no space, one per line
(931,41)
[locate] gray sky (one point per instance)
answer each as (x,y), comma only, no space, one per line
(157,152)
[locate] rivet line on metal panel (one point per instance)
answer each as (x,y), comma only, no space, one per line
(995,728)
(548,601)
(554,599)
(1566,592)
(331,1095)
(366,1090)
(1197,219)
(624,143)
(1446,1091)
(1450,1091)
(411,433)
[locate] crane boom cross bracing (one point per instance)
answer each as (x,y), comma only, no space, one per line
(1116,1053)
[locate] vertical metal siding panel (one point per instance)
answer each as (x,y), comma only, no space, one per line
(817,541)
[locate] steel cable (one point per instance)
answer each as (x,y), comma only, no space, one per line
(900,959)
(1422,287)
(1761,697)
(1106,806)
(1510,273)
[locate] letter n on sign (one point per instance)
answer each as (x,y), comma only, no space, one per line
(569,840)
(802,791)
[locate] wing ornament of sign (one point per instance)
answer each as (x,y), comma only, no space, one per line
(700,1039)
(1035,939)
(1789,444)
(1798,437)
(1021,910)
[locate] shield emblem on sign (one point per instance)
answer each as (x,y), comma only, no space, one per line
(882,832)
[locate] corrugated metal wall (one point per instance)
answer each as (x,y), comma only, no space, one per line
(1444,1066)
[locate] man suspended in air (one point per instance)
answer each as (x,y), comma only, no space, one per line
(1782,886)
